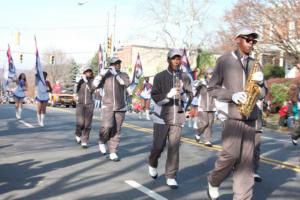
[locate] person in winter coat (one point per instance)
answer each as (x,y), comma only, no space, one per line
(168,89)
(114,84)
(85,107)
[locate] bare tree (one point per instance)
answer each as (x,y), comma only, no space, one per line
(58,71)
(277,22)
(176,23)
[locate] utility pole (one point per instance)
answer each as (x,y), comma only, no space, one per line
(114,39)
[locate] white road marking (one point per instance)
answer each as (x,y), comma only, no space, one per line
(145,190)
(26,124)
(269,138)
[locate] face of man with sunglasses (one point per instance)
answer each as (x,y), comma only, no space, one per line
(246,43)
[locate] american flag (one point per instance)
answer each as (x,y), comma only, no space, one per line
(185,65)
(138,70)
(100,59)
(38,65)
(11,67)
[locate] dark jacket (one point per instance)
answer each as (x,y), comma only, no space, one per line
(162,84)
(114,93)
(85,91)
(205,101)
(228,78)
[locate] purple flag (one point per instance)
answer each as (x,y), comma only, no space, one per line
(100,59)
(138,70)
(185,65)
(38,65)
(11,67)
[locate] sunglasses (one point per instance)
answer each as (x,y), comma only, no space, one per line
(248,40)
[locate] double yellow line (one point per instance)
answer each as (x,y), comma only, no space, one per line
(277,163)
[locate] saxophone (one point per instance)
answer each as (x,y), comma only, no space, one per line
(252,90)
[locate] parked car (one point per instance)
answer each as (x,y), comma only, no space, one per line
(11,98)
(66,98)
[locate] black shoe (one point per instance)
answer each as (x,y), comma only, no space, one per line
(257,178)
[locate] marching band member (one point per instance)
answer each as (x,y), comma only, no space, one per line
(85,107)
(114,105)
(145,98)
(169,116)
(227,85)
(206,110)
(20,93)
(42,97)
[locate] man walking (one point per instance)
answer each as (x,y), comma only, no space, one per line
(228,85)
(206,110)
(114,105)
(169,117)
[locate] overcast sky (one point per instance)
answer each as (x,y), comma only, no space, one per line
(75,29)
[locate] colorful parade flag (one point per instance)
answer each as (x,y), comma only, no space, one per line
(11,67)
(100,59)
(185,65)
(138,71)
(38,65)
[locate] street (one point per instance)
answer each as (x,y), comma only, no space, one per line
(46,163)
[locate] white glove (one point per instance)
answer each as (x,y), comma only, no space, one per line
(113,71)
(258,76)
(103,71)
(83,76)
(173,92)
(97,80)
(239,97)
(196,83)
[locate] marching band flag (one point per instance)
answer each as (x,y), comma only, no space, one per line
(38,65)
(11,67)
(138,71)
(100,59)
(185,65)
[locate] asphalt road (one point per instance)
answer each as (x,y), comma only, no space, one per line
(45,163)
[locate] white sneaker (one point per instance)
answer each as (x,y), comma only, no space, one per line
(114,157)
(148,115)
(41,123)
(18,115)
(197,138)
(152,172)
(208,144)
(84,145)
(213,192)
(295,142)
(195,125)
(78,139)
(39,119)
(102,148)
(171,182)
